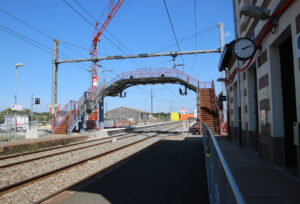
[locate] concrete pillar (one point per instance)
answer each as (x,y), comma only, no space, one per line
(101,114)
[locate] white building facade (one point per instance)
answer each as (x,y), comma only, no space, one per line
(264,98)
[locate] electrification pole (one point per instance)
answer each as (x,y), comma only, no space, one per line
(54,75)
(224,90)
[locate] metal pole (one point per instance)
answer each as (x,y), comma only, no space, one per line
(151,103)
(106,109)
(198,101)
(222,45)
(16,85)
(159,111)
(31,111)
(101,114)
(54,74)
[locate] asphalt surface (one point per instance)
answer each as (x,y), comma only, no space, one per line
(171,171)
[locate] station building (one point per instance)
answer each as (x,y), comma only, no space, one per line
(264,98)
(128,114)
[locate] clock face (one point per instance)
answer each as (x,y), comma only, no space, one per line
(244,48)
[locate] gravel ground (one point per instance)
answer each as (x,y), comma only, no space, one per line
(24,171)
(46,187)
(49,152)
(52,151)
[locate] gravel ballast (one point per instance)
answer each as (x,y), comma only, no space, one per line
(43,188)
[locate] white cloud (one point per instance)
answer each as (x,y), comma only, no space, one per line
(227,34)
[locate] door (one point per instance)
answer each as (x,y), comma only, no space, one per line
(288,100)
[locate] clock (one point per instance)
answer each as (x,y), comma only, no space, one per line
(243,48)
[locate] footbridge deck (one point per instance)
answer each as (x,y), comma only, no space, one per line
(157,76)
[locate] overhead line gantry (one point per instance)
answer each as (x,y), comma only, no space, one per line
(94,59)
(172,54)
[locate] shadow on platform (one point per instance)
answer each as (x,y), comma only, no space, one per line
(171,171)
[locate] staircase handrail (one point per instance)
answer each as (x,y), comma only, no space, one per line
(216,103)
(62,114)
(73,115)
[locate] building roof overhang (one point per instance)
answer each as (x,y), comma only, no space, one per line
(226,56)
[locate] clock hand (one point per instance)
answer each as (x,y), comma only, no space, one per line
(246,47)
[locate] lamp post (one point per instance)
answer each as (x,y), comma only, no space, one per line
(256,12)
(16,85)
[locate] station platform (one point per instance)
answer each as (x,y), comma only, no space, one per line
(258,181)
(170,171)
(24,145)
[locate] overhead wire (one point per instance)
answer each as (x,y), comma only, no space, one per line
(111,41)
(75,10)
(101,15)
(74,45)
(9,31)
(173,31)
(71,49)
(35,43)
(33,28)
(188,38)
(30,26)
(120,41)
(86,11)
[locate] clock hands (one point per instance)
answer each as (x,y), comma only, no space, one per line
(246,47)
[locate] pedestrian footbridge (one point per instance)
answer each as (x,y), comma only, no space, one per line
(74,111)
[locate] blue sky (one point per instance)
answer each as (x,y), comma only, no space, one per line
(141,25)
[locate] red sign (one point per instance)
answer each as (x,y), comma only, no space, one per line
(190,115)
(183,117)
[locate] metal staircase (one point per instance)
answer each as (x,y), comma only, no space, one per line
(67,119)
(209,109)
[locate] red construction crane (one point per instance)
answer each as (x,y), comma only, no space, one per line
(97,33)
(93,52)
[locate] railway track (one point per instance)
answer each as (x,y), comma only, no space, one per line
(44,184)
(16,159)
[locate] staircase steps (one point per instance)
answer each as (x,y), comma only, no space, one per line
(208,111)
(62,127)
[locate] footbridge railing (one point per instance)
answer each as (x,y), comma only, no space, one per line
(164,72)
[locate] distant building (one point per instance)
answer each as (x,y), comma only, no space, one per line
(128,114)
(264,98)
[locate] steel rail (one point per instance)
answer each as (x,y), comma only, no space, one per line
(53,148)
(67,145)
(76,149)
(236,191)
(102,170)
(19,184)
